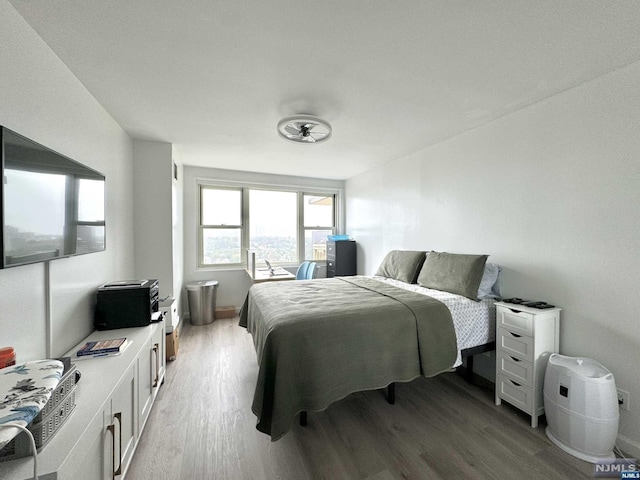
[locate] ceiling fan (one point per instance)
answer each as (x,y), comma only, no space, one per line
(304,129)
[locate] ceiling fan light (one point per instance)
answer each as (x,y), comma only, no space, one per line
(304,129)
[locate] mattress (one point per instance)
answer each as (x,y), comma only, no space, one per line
(473,321)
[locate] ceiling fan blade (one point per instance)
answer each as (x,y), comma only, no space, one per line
(320,134)
(310,139)
(292,130)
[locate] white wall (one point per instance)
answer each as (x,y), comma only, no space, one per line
(152,197)
(552,194)
(158,216)
(177,228)
(233,283)
(45,309)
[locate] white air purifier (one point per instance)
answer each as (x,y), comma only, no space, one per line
(581,405)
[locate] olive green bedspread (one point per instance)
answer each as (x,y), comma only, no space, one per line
(318,341)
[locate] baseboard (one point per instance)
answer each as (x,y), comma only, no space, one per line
(186,317)
(628,446)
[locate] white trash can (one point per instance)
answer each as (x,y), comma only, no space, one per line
(581,405)
(202,301)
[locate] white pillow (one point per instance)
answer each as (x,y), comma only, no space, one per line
(490,284)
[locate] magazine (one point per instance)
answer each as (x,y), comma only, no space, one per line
(102,347)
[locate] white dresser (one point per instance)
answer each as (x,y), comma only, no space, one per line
(113,400)
(525,337)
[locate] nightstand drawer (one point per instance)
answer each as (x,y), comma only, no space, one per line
(515,393)
(515,320)
(512,343)
(519,370)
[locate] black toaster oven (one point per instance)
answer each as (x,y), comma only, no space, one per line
(128,303)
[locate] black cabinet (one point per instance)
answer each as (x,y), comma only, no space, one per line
(341,258)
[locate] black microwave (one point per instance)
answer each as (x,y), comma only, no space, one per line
(128,303)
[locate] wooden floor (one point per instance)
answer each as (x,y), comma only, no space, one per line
(202,427)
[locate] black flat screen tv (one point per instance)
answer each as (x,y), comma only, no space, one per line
(52,206)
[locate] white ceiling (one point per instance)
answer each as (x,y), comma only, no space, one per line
(392,77)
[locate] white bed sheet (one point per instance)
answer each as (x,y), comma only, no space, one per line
(474,322)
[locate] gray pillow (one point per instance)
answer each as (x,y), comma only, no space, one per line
(403,265)
(453,272)
(490,283)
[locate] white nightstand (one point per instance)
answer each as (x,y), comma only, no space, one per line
(525,337)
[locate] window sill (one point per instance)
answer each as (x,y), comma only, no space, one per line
(242,268)
(234,268)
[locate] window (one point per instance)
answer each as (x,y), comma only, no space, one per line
(284,227)
(220,226)
(273,225)
(319,221)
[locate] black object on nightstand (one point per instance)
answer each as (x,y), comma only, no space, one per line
(341,258)
(528,303)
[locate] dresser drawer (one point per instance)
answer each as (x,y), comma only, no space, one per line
(331,249)
(515,320)
(515,393)
(512,343)
(331,269)
(519,370)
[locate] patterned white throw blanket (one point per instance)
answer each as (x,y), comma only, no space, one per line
(24,391)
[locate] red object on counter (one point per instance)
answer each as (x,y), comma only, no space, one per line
(7,357)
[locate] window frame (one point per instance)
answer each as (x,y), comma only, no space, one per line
(202,227)
(302,228)
(244,188)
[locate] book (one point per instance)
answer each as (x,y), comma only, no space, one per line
(101,347)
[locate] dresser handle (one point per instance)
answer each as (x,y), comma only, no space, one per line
(515,311)
(119,470)
(515,383)
(515,335)
(111,428)
(514,359)
(156,351)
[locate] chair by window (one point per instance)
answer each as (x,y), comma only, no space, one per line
(311,271)
(301,273)
(306,271)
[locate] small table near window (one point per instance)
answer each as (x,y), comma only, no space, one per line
(258,275)
(261,275)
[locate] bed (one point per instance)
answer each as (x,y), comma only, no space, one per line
(318,341)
